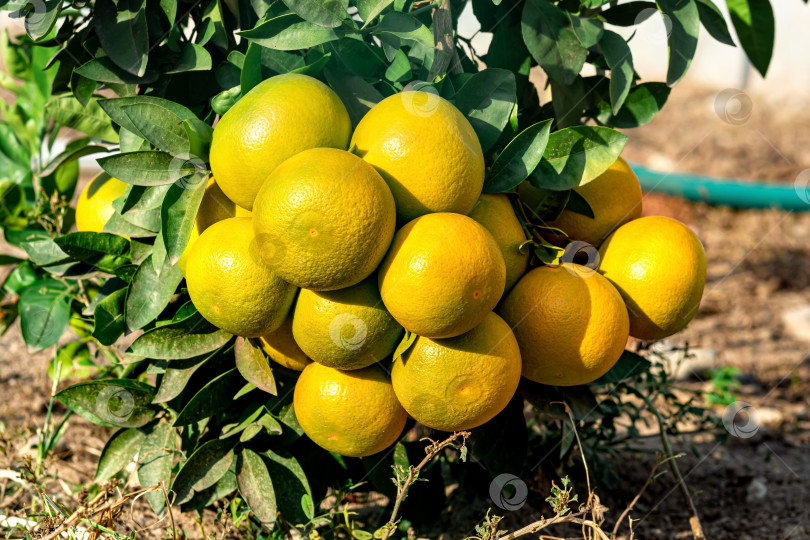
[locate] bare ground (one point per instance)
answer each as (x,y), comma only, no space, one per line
(759,267)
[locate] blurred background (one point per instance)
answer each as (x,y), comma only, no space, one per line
(751,338)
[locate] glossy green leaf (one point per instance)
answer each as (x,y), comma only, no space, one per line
(178,215)
(115,109)
(620,59)
(289,32)
(40,17)
(256,487)
(254,365)
(110,402)
(753,21)
(289,482)
(370,9)
(155,462)
(160,126)
(520,157)
(148,168)
(105,251)
(89,119)
(643,102)
(150,292)
(251,68)
(683,35)
(71,154)
(568,102)
(356,94)
(551,40)
(328,13)
(193,58)
(588,31)
(714,22)
(104,70)
(118,452)
(121,28)
(487,99)
(44,252)
(577,203)
(404,26)
(574,156)
(628,365)
(44,312)
(177,342)
(203,468)
(210,398)
(109,317)
(177,375)
(630,13)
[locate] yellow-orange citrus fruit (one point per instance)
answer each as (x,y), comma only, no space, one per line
(460,382)
(443,274)
(324,219)
(214,207)
(278,118)
(570,323)
(495,212)
(95,205)
(352,413)
(345,329)
(426,150)
(229,284)
(614,196)
(281,347)
(659,267)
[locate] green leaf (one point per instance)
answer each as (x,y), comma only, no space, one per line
(209,399)
(713,21)
(520,157)
(643,102)
(290,32)
(44,312)
(20,278)
(121,28)
(115,109)
(400,68)
(370,9)
(568,102)
(150,292)
(40,17)
(148,168)
(356,94)
(290,484)
(754,23)
(75,150)
(254,366)
(404,26)
(109,317)
(62,181)
(155,458)
(103,69)
(44,252)
(251,74)
(90,119)
(193,58)
(105,251)
(256,487)
(220,490)
(177,375)
(118,452)
(222,102)
(160,126)
(487,99)
(629,14)
(328,13)
(588,31)
(110,402)
(178,342)
(408,339)
(178,215)
(574,156)
(620,59)
(577,203)
(203,468)
(683,36)
(551,40)
(628,365)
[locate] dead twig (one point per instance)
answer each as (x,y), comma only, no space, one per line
(413,473)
